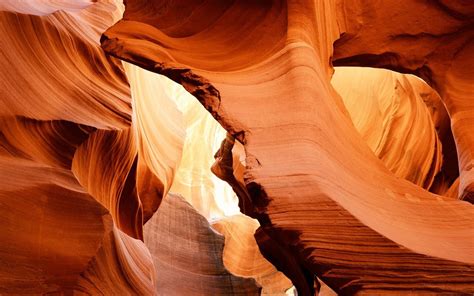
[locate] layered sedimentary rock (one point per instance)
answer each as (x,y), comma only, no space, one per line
(122,265)
(62,205)
(112,176)
(325,203)
(37,196)
(116,192)
(47,71)
(170,120)
(177,235)
(160,134)
(388,111)
(43,7)
(438,51)
(95,168)
(449,170)
(177,140)
(242,256)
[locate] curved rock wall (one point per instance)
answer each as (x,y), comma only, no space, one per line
(106,166)
(283,109)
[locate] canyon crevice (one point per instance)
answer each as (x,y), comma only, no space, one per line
(237,147)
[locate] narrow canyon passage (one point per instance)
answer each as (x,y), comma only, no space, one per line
(236,147)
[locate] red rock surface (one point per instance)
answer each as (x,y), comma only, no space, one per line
(436,44)
(106,166)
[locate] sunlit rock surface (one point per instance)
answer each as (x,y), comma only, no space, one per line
(438,51)
(272,92)
(242,257)
(53,67)
(178,235)
(392,118)
(211,148)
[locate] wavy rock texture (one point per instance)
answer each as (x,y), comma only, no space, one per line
(43,7)
(241,253)
(440,117)
(116,192)
(58,236)
(388,111)
(327,206)
(439,52)
(177,235)
(172,125)
(122,266)
(51,228)
(160,130)
(94,150)
(49,67)
(242,256)
(166,114)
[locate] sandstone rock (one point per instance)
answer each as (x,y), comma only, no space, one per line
(438,51)
(187,254)
(322,199)
(113,177)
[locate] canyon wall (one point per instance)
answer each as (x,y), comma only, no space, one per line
(236,147)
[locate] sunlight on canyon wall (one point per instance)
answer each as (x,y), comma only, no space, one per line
(392,118)
(158,147)
(177,132)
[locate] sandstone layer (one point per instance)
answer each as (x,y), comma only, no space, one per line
(325,203)
(236,147)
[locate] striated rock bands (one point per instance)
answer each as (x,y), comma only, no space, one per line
(324,200)
(212,148)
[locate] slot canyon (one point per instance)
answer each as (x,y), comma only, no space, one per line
(237,147)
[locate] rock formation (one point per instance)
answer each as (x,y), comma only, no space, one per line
(385,105)
(438,51)
(212,148)
(189,238)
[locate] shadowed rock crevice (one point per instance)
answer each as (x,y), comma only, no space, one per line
(106,158)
